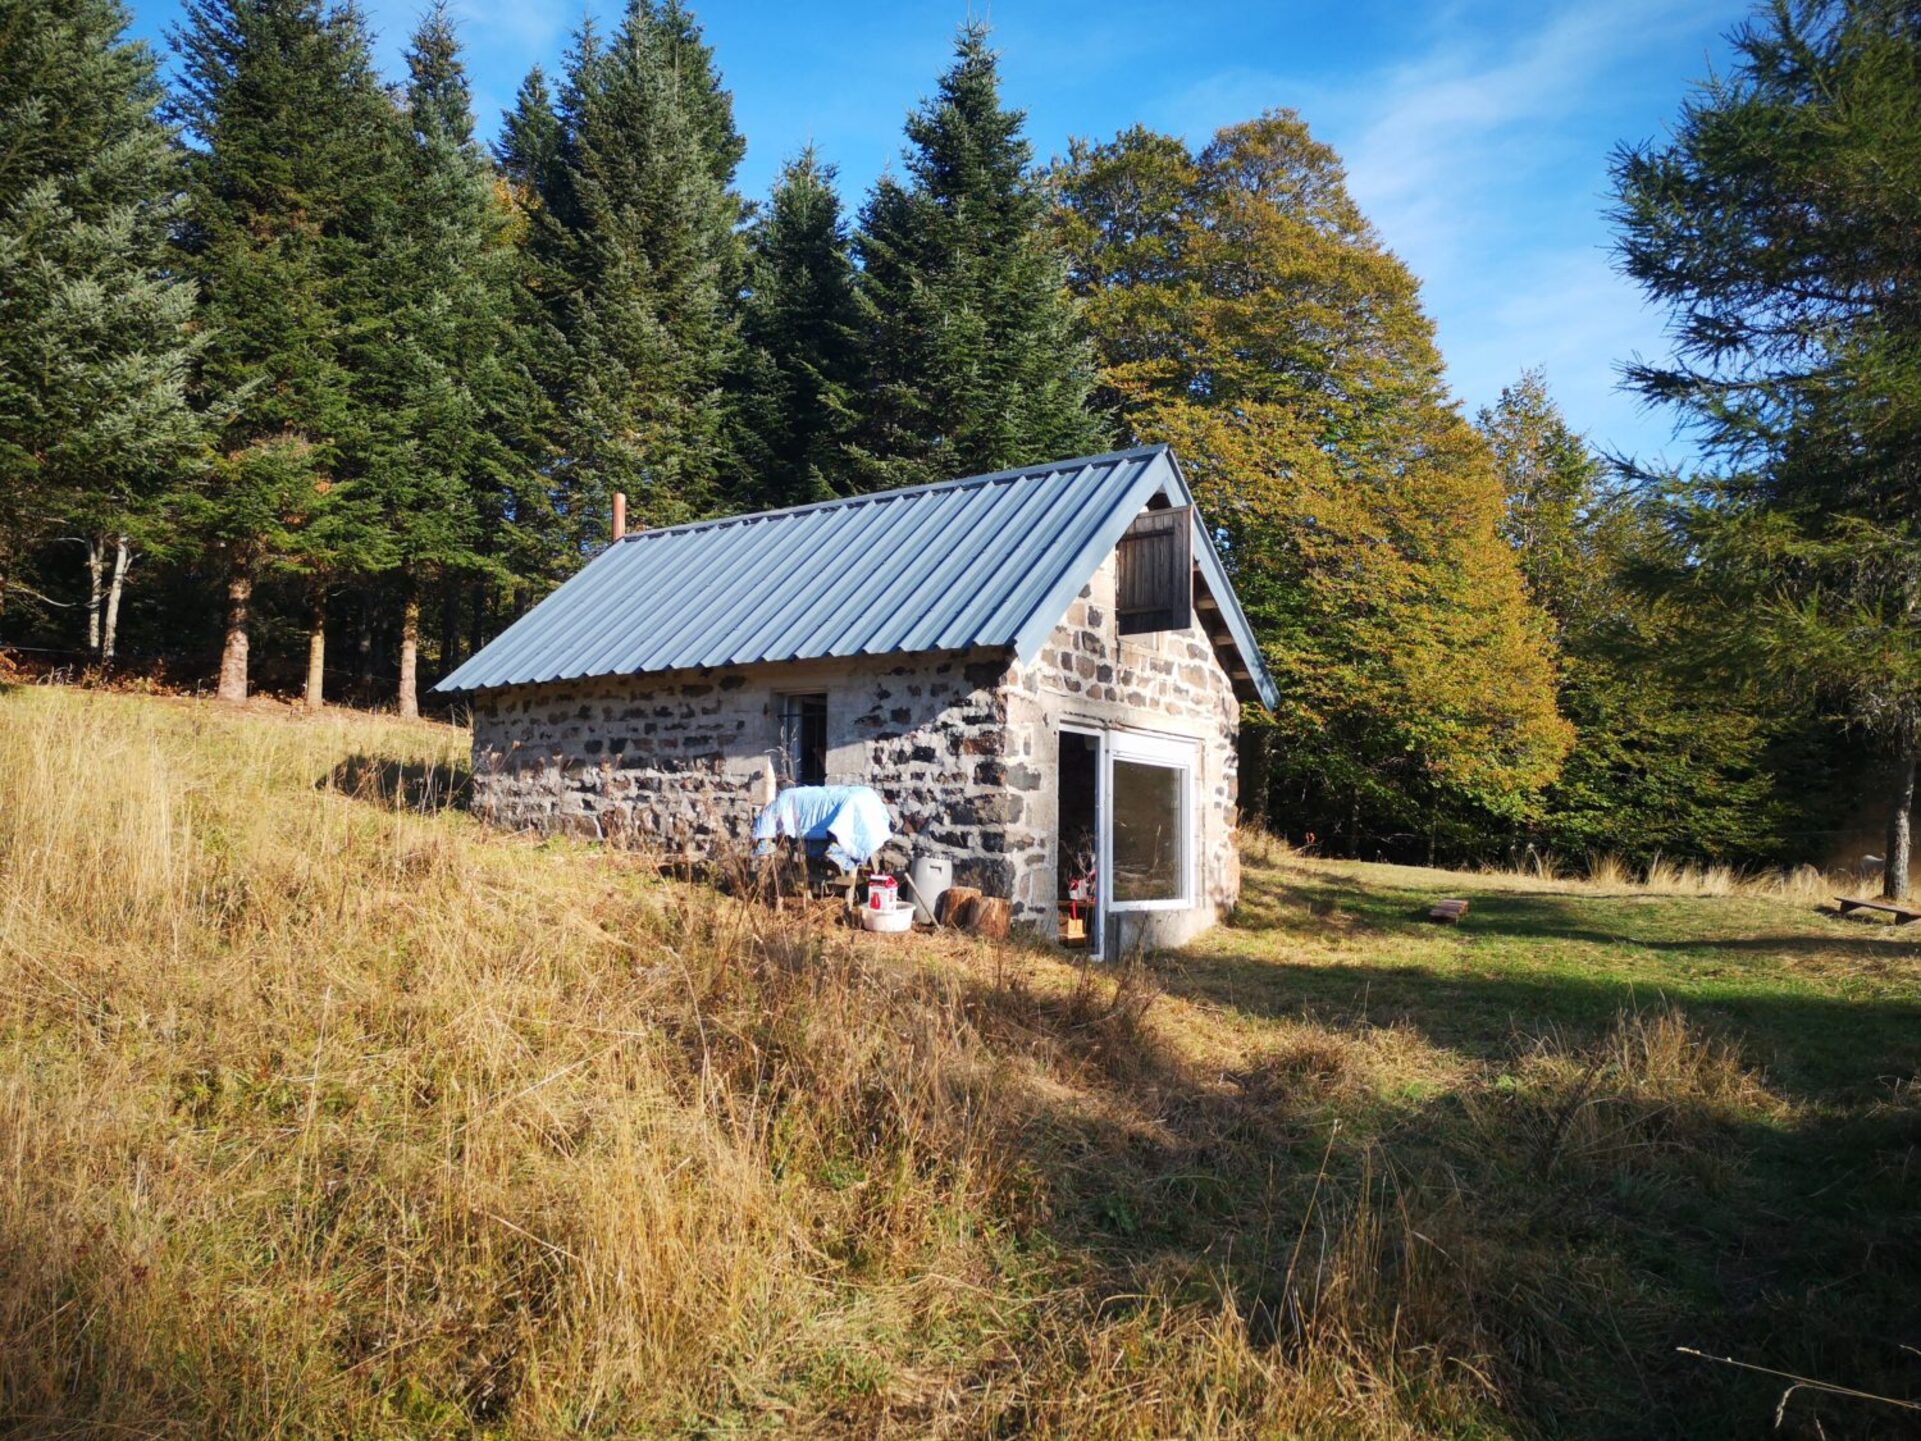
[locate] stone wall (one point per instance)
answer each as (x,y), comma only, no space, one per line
(681,762)
(1168,683)
(965,749)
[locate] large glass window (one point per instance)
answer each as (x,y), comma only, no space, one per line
(1150,840)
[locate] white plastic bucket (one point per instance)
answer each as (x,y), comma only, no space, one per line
(894,921)
(928,879)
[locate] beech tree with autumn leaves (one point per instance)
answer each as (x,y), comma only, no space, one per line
(1246,312)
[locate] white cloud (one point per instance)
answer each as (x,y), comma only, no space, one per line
(1482,160)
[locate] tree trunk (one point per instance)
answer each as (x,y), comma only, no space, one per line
(477,617)
(1354,825)
(233,654)
(1894,876)
(409,655)
(449,623)
(365,654)
(316,696)
(96,592)
(116,587)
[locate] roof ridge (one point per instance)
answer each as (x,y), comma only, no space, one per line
(874,496)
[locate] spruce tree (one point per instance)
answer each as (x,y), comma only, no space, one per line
(435,370)
(976,361)
(287,187)
(799,326)
(96,433)
(633,251)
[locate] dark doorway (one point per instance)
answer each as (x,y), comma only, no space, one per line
(1077,885)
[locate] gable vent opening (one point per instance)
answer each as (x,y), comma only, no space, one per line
(1155,565)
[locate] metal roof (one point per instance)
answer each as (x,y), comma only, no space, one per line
(992,560)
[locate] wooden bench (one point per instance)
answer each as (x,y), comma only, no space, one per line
(1902,914)
(1448,911)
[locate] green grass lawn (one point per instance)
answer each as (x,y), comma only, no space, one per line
(1828,1007)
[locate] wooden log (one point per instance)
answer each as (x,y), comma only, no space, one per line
(988,916)
(953,901)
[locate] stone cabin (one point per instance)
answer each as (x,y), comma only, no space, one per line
(1042,672)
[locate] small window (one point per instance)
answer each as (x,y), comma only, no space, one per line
(1155,565)
(803,738)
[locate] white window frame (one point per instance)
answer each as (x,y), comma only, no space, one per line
(1178,755)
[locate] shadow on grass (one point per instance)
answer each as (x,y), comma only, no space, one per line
(401,784)
(1793,1245)
(1301,902)
(1818,1047)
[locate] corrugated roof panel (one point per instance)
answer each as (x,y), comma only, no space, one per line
(991,561)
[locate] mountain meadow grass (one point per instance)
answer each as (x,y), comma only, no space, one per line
(327,1112)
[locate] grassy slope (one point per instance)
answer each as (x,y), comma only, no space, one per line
(1772,1213)
(324,1112)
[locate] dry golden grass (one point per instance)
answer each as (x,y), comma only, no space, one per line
(326,1112)
(331,1114)
(1610,873)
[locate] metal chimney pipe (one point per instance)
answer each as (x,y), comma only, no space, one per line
(620,514)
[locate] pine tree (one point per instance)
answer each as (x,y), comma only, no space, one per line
(435,372)
(799,326)
(633,251)
(286,194)
(1781,224)
(95,343)
(1246,311)
(976,360)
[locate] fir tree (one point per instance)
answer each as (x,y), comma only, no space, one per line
(95,348)
(709,107)
(435,371)
(286,195)
(976,361)
(633,252)
(525,526)
(530,140)
(1782,226)
(799,325)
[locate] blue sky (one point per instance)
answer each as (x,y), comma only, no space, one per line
(1476,135)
